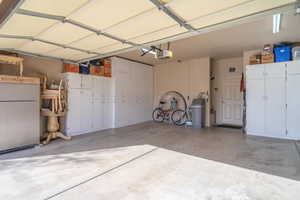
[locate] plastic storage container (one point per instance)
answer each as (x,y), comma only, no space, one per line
(296,53)
(84,69)
(283,53)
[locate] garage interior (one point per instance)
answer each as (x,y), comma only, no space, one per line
(149,99)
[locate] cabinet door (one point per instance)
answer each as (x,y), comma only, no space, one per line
(293,99)
(19,124)
(255,99)
(98,89)
(74,112)
(255,106)
(255,72)
(108,121)
(86,81)
(98,115)
(86,110)
(275,106)
(123,96)
(73,80)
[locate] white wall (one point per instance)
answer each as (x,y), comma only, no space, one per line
(34,66)
(189,77)
(219,69)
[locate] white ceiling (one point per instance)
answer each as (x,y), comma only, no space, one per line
(229,42)
(65,29)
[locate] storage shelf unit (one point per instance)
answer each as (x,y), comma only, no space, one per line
(96,103)
(273,100)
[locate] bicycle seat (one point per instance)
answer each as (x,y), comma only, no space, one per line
(162,102)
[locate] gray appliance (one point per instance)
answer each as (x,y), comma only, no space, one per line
(19,116)
(198,113)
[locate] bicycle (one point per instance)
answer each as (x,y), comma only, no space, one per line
(180,117)
(161,115)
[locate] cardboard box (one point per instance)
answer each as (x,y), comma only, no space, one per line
(69,67)
(107,61)
(267,58)
(255,60)
(107,67)
(97,70)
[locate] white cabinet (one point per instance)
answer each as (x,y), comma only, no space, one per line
(86,82)
(255,100)
(73,81)
(109,103)
(293,100)
(73,117)
(96,103)
(86,110)
(272,103)
(78,81)
(134,92)
(275,100)
(86,102)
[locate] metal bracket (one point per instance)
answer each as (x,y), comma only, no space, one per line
(37,55)
(174,16)
(47,42)
(73,22)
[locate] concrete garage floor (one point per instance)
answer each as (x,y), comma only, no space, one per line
(155,161)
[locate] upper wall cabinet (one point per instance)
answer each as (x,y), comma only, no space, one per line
(77,81)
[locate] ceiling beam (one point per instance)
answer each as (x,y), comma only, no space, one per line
(7,9)
(241,20)
(37,55)
(47,42)
(171,14)
(73,22)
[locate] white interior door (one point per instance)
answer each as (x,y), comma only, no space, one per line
(275,100)
(293,99)
(232,98)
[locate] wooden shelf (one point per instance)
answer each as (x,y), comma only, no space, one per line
(19,79)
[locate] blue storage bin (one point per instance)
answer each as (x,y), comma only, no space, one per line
(84,69)
(283,53)
(97,62)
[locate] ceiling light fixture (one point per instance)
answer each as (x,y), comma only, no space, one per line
(276,23)
(298,7)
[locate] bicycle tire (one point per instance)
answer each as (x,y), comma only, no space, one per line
(158,115)
(182,117)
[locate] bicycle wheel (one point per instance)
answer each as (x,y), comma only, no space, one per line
(179,117)
(158,115)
